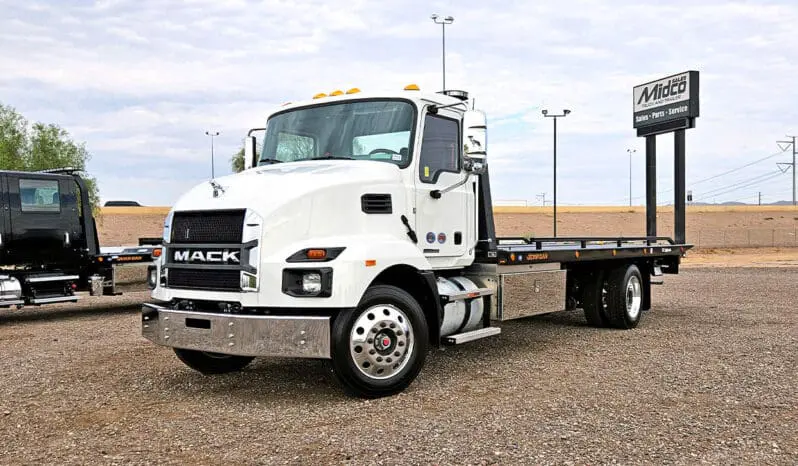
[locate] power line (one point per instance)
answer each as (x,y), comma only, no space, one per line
(714,176)
(736,169)
(736,187)
(747,180)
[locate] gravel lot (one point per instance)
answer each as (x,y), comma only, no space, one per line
(709,376)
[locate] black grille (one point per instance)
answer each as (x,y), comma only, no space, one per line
(219,226)
(218,280)
(376,203)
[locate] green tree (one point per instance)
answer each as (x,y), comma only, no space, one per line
(237,161)
(41,146)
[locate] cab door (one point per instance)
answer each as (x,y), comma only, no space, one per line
(5,219)
(441,223)
(41,217)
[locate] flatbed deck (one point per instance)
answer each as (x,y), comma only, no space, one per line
(521,250)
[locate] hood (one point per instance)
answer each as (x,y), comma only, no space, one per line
(269,187)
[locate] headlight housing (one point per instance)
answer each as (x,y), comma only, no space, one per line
(308,283)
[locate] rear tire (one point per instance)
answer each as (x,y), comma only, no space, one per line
(592,300)
(212,363)
(624,298)
(379,348)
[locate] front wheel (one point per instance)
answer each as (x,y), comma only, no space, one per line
(212,363)
(379,347)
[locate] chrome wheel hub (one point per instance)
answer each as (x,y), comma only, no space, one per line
(381,341)
(634,297)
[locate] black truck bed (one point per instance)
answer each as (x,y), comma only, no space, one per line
(520,250)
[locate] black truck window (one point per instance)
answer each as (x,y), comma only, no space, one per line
(39,195)
(439,148)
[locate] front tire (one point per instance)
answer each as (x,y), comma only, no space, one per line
(212,363)
(379,348)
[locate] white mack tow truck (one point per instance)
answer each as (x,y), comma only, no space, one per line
(362,232)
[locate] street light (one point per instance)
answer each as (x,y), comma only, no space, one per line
(630,151)
(554,203)
(212,135)
(443,22)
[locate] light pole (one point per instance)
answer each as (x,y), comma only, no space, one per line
(554,202)
(212,135)
(443,22)
(630,151)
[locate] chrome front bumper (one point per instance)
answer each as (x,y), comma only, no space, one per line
(243,335)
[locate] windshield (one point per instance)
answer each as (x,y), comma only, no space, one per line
(361,130)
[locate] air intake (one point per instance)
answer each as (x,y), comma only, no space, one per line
(376,203)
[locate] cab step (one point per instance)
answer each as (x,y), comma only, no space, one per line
(446,299)
(477,334)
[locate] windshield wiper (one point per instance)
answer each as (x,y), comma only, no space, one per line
(269,161)
(331,157)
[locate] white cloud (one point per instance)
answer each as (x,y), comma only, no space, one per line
(140,81)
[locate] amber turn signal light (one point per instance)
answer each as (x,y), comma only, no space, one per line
(316,254)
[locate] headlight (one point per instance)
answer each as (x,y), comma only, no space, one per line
(249,282)
(311,283)
(152,276)
(308,283)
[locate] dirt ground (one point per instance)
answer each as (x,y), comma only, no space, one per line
(118,229)
(704,228)
(708,377)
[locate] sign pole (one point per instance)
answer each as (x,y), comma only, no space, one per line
(679,185)
(651,185)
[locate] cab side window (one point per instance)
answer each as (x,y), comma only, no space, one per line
(39,195)
(439,148)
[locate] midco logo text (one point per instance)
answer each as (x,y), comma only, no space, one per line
(224,257)
(663,92)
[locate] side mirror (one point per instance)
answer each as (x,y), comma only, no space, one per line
(475,140)
(249,152)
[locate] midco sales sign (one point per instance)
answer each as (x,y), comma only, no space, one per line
(667,99)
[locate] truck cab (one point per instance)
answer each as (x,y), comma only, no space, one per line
(361,231)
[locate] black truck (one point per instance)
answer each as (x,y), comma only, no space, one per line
(49,247)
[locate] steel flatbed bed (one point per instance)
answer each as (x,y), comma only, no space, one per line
(521,250)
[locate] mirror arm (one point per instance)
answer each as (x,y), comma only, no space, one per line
(437,193)
(471,168)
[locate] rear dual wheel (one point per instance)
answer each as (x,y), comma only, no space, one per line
(614,298)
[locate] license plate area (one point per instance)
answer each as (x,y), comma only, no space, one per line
(192,322)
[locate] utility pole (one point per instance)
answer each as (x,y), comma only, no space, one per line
(443,22)
(789,143)
(554,204)
(760,197)
(542,198)
(630,151)
(212,135)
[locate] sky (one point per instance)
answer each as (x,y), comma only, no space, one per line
(140,81)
